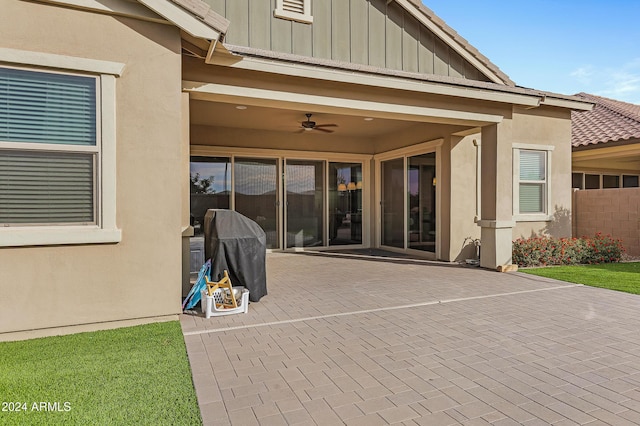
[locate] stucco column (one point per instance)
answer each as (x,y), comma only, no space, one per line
(187,229)
(496,220)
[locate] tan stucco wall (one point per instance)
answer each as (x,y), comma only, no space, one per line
(548,126)
(462,204)
(140,276)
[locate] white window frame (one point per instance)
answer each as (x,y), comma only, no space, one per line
(601,176)
(305,17)
(104,230)
(545,215)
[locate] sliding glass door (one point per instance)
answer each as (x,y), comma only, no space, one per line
(256,194)
(408,223)
(304,182)
(297,202)
(421,183)
(345,203)
(392,203)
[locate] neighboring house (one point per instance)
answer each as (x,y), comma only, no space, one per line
(606,144)
(94,180)
(606,162)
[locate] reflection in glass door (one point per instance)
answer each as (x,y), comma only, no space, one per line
(345,203)
(256,194)
(304,183)
(392,203)
(421,219)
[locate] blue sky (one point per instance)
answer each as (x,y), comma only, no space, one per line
(562,46)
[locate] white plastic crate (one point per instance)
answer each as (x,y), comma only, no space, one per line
(208,303)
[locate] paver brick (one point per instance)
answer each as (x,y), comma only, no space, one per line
(557,354)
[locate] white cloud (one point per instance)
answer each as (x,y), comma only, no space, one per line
(621,83)
(583,74)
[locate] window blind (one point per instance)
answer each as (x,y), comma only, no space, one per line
(532,165)
(40,107)
(38,187)
(531,198)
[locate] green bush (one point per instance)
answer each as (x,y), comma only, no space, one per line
(541,251)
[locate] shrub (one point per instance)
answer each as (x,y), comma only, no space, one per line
(541,251)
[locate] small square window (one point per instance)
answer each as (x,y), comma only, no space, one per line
(577,180)
(610,181)
(629,181)
(591,181)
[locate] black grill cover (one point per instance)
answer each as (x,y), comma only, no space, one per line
(236,243)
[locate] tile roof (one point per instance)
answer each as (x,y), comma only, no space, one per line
(609,121)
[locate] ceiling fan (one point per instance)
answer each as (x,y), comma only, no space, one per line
(309,125)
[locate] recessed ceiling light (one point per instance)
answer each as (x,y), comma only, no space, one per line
(368,119)
(241,107)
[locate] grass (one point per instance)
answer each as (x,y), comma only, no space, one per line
(614,276)
(135,375)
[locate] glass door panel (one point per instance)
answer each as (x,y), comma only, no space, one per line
(210,181)
(392,203)
(256,194)
(421,218)
(210,187)
(304,203)
(345,203)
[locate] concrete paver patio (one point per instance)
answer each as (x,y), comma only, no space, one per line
(346,340)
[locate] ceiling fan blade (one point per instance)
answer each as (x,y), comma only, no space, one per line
(326,125)
(320,129)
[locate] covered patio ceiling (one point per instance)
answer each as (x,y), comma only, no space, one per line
(240,116)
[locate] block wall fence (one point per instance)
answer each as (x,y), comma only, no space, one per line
(610,211)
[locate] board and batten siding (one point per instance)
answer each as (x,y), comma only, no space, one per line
(367,32)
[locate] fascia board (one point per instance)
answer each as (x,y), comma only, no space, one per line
(600,152)
(296,101)
(182,19)
(566,103)
(450,41)
(307,71)
(113,7)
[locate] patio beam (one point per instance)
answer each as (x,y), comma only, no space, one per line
(327,104)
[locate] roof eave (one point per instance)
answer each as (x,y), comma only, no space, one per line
(195,17)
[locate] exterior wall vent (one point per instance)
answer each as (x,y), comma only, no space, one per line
(294,10)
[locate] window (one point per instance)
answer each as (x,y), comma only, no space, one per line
(531,181)
(295,10)
(49,150)
(606,181)
(610,181)
(57,151)
(577,180)
(629,181)
(591,181)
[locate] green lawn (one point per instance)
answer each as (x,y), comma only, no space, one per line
(135,375)
(614,276)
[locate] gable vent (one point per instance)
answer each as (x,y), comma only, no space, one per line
(295,6)
(294,10)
